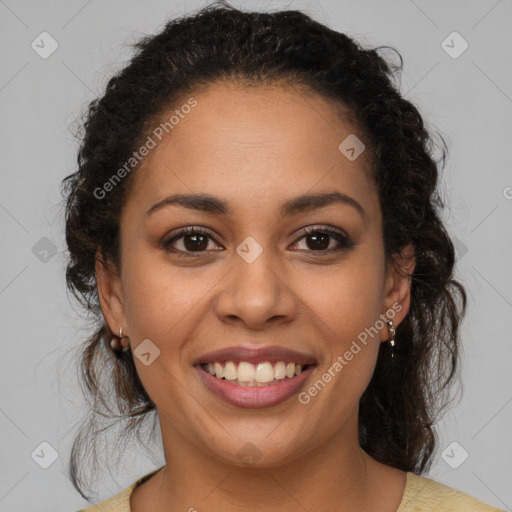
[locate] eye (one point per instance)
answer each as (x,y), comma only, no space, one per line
(195,240)
(319,238)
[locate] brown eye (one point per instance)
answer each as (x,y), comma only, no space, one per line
(318,240)
(193,240)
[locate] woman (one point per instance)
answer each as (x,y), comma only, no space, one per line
(255,225)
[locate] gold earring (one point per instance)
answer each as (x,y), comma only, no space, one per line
(127,346)
(392,331)
(117,344)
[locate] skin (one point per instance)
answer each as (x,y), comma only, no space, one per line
(256,148)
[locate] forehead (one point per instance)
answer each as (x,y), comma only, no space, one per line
(260,142)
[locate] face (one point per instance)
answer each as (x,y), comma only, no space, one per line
(249,275)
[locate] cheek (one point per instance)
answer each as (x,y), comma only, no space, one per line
(345,306)
(158,298)
(347,297)
(344,318)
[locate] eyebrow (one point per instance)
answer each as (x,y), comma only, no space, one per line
(300,204)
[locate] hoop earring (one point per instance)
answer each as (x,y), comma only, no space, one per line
(391,341)
(116,342)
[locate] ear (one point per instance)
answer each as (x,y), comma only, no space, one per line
(110,294)
(397,294)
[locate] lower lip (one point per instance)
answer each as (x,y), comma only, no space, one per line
(254,397)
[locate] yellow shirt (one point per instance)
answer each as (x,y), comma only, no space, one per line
(421,494)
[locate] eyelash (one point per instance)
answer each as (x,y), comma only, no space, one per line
(344,241)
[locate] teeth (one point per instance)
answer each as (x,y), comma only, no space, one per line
(252,384)
(230,371)
(280,369)
(246,371)
(219,370)
(248,374)
(264,373)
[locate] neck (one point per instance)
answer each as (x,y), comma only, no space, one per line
(336,474)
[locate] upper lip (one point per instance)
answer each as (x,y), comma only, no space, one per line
(256,355)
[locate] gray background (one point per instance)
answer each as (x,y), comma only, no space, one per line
(467,98)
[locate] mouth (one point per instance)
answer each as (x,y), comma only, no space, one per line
(262,374)
(252,377)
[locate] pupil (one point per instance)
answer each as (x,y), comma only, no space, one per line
(319,245)
(198,242)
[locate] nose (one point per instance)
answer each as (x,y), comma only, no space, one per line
(256,294)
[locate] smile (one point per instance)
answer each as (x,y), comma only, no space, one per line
(241,387)
(243,373)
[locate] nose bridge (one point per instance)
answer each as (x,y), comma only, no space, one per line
(255,290)
(255,267)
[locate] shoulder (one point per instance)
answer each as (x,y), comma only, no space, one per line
(423,494)
(120,502)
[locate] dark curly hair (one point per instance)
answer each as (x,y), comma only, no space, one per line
(407,393)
